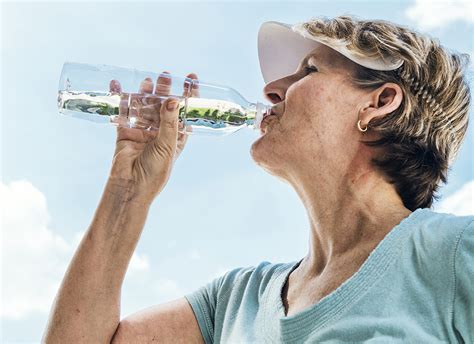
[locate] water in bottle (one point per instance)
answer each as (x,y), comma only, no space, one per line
(213,110)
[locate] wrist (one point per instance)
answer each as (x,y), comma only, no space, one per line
(126,191)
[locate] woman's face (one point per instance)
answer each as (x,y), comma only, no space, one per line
(316,115)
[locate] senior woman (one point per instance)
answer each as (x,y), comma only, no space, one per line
(367,118)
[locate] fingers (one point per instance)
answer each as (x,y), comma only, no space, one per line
(135,108)
(183,131)
(142,109)
(115,87)
(194,90)
(183,136)
(168,130)
(146,86)
(151,111)
(189,90)
(143,106)
(163,84)
(182,139)
(123,106)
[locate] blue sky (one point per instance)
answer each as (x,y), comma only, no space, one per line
(219,210)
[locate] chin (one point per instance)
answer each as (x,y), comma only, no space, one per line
(257,150)
(263,154)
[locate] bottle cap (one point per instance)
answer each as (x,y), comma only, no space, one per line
(260,114)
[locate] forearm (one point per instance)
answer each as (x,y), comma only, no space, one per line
(87,306)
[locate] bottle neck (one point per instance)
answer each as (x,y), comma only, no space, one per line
(255,114)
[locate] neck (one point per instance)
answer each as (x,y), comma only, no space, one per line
(347,219)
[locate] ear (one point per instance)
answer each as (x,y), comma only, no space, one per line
(382,101)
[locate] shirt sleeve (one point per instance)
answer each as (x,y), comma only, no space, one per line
(203,302)
(464,285)
(210,302)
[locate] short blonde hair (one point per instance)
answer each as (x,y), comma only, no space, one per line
(422,137)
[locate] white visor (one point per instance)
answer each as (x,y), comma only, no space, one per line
(281,47)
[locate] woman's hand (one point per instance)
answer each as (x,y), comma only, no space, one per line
(143,159)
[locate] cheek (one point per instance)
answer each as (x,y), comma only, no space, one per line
(331,109)
(303,99)
(309,107)
(319,118)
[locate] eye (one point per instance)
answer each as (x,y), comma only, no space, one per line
(310,69)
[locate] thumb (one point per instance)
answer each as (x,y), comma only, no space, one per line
(168,129)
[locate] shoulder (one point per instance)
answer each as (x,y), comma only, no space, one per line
(463,298)
(440,230)
(443,221)
(256,277)
(464,249)
(433,241)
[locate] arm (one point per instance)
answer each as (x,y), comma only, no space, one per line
(172,322)
(87,306)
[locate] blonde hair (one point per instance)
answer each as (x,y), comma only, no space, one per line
(422,137)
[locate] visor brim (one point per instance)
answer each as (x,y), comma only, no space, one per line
(281,47)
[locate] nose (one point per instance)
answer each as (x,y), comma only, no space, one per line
(275,91)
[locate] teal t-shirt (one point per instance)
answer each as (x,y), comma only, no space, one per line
(416,286)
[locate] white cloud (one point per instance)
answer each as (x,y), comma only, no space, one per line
(34,258)
(459,203)
(429,14)
(138,263)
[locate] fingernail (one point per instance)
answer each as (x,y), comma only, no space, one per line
(172,104)
(115,86)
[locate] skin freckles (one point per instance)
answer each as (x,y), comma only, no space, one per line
(310,112)
(313,144)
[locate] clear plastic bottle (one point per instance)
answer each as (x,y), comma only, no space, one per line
(107,94)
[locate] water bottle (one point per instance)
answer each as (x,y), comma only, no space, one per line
(108,94)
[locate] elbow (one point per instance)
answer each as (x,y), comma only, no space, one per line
(123,334)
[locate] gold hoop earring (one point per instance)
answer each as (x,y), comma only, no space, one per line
(362,130)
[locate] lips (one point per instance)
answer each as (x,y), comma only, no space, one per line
(267,113)
(268,116)
(264,124)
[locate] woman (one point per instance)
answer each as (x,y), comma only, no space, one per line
(367,118)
